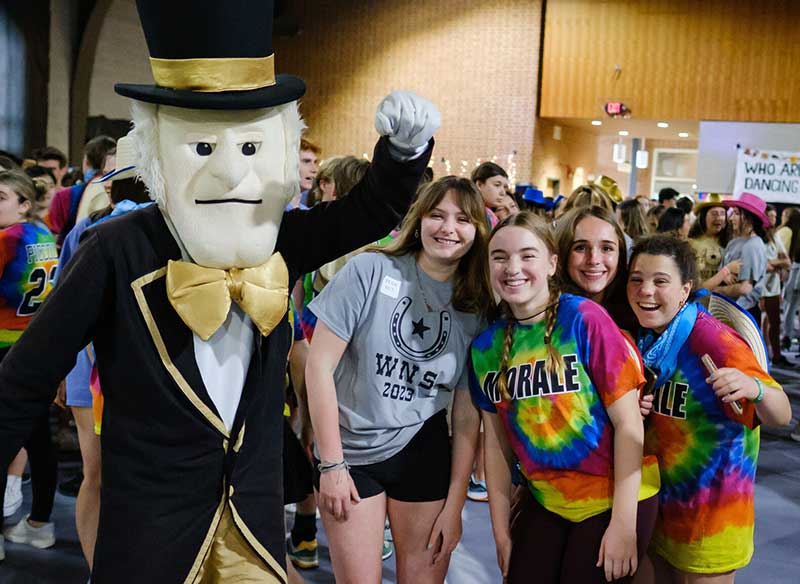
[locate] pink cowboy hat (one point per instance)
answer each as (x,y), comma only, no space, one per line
(756,205)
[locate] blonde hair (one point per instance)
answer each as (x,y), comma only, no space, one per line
(589,195)
(541,230)
(325,172)
(344,172)
(633,219)
(347,174)
(471,287)
(43,185)
(22,185)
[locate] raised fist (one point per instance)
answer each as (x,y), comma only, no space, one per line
(409,121)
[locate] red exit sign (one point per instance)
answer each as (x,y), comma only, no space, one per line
(617,109)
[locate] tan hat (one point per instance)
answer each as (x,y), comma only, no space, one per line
(728,312)
(94,196)
(126,161)
(610,186)
(713,200)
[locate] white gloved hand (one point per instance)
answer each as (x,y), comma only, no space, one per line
(409,121)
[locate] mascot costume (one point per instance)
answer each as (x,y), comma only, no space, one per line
(186,300)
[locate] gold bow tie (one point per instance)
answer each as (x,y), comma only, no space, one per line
(202,296)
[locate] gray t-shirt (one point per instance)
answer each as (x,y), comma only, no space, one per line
(402,361)
(753,253)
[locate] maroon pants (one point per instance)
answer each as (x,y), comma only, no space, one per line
(546,548)
(772,306)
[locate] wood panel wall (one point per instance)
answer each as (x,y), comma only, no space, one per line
(678,59)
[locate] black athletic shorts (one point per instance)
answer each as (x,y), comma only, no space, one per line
(419,472)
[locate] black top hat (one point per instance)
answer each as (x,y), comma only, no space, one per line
(211,54)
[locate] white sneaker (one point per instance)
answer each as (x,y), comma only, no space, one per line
(39,537)
(13,496)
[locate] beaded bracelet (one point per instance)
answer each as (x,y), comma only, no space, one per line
(324,467)
(760,395)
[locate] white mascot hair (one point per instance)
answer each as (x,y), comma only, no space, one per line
(145,142)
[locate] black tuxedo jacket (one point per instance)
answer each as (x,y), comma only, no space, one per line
(168,463)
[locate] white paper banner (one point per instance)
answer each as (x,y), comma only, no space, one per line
(773,175)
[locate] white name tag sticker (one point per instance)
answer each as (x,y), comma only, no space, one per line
(390,287)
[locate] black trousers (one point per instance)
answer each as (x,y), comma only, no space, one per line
(756,312)
(44,466)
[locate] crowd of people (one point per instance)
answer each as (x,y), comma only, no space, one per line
(43,216)
(555,357)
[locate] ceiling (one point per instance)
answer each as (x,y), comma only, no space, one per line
(637,128)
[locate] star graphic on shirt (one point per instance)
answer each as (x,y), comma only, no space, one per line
(420,328)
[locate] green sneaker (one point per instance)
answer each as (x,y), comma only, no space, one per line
(305,555)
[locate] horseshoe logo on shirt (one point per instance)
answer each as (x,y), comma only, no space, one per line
(404,329)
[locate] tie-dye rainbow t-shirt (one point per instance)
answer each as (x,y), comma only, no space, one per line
(558,425)
(28,263)
(707,455)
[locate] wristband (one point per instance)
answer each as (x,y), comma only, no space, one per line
(760,395)
(324,467)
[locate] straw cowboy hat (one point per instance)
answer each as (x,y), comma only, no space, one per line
(713,200)
(610,186)
(728,312)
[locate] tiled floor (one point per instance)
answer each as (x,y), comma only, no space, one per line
(777,539)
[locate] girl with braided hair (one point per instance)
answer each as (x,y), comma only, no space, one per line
(557,382)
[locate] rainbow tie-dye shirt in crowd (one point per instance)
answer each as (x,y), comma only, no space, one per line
(707,455)
(558,426)
(28,260)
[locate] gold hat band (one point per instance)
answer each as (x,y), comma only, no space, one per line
(212,75)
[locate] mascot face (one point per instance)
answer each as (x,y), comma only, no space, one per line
(225,182)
